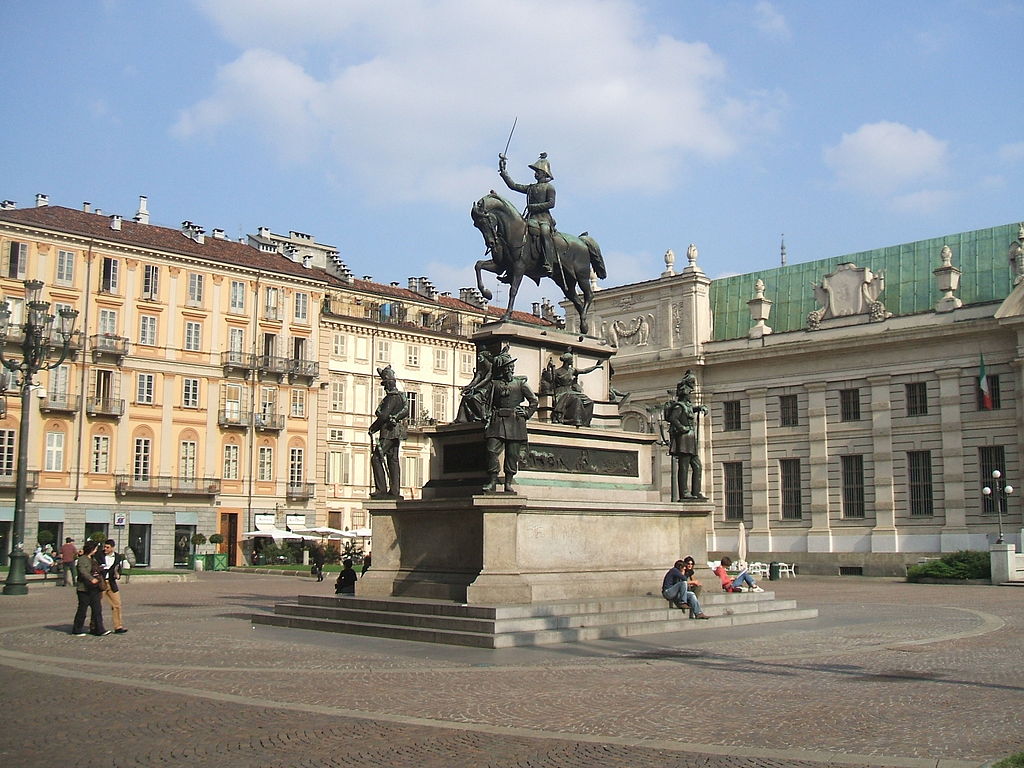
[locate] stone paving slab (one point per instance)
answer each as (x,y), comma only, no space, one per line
(888,674)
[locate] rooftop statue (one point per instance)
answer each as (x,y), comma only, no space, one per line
(528,244)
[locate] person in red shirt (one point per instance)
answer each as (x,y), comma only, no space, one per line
(68,555)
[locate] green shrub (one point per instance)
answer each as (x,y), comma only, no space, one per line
(45,537)
(271,554)
(962,565)
(1013,761)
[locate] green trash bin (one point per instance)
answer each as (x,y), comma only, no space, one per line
(773,572)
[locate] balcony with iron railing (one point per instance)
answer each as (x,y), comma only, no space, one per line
(237,362)
(8,480)
(234,417)
(448,324)
(104,406)
(268,421)
(60,402)
(108,346)
(303,369)
(273,365)
(166,485)
(300,491)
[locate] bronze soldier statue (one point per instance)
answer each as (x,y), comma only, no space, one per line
(540,199)
(389,422)
(683,419)
(571,405)
(506,423)
(473,406)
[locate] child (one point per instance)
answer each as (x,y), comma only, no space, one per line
(730,584)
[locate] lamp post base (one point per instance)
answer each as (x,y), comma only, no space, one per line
(16,583)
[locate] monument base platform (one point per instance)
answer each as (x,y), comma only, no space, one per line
(504,626)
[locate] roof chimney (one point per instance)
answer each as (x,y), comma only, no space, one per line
(368,278)
(263,232)
(42,201)
(115,223)
(86,207)
(7,205)
(142,215)
(219,234)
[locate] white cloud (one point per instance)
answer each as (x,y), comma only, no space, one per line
(769,21)
(420,103)
(925,201)
(884,159)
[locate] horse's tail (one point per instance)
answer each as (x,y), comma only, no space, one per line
(596,259)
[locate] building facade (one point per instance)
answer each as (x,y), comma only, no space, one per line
(212,382)
(847,429)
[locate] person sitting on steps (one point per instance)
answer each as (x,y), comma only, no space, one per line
(744,582)
(673,589)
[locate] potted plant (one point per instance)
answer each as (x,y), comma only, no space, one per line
(218,561)
(198,540)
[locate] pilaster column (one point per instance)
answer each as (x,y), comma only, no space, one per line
(819,537)
(883,535)
(954,535)
(760,539)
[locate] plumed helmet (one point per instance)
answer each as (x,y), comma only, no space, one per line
(386,374)
(543,165)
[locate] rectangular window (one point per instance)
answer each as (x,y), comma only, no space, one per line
(790,485)
(731,415)
(109,275)
(236,339)
(336,435)
(54,452)
(108,322)
(466,363)
(265,464)
(849,405)
(230,462)
(789,415)
(142,458)
(302,306)
(993,391)
(99,459)
(919,476)
(147,330)
(187,460)
(237,296)
(413,399)
(440,413)
(150,281)
(145,386)
(732,473)
(59,383)
(384,350)
(296,458)
(440,359)
(337,395)
(338,468)
(412,471)
(917,398)
(17,260)
(853,486)
(190,393)
(990,459)
(270,304)
(268,401)
(339,346)
(7,441)
(65,267)
(232,397)
(193,336)
(412,355)
(299,403)
(195,288)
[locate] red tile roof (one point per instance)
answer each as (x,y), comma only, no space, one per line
(68,220)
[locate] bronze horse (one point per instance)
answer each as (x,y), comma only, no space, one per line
(513,255)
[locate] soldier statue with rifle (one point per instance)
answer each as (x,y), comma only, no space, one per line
(389,425)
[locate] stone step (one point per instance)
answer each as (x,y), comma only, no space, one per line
(620,614)
(513,625)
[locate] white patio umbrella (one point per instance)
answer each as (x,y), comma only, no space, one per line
(741,546)
(358,533)
(321,531)
(277,533)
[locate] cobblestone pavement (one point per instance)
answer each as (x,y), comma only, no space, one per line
(890,674)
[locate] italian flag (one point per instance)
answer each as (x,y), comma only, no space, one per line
(986,396)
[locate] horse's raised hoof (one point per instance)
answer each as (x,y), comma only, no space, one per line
(486,294)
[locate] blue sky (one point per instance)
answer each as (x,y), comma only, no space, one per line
(374,125)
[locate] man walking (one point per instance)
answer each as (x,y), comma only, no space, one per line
(68,555)
(112,563)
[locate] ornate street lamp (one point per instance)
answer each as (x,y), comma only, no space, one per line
(41,350)
(1001,489)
